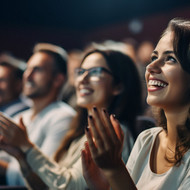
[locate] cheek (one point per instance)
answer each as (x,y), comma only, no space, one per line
(76,83)
(5,86)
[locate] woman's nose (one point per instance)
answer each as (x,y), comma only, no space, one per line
(154,67)
(84,77)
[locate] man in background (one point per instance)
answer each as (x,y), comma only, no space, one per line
(11,71)
(48,119)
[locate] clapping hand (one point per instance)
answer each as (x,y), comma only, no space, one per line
(105,139)
(12,134)
(93,175)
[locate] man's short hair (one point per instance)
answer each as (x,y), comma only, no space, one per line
(58,53)
(18,66)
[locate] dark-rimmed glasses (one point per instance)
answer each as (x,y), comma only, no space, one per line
(94,73)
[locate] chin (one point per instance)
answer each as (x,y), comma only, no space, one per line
(152,101)
(82,104)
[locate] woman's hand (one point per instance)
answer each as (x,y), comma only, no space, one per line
(93,175)
(105,138)
(14,135)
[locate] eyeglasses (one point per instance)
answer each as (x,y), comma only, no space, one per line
(94,73)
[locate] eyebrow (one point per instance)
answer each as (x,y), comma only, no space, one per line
(166,52)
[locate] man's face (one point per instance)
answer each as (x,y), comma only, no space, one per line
(9,89)
(38,77)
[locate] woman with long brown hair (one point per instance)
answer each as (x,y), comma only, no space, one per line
(106,78)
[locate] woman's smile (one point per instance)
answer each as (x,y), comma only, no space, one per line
(156,84)
(85,91)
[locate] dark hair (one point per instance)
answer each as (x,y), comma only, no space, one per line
(128,103)
(126,106)
(60,65)
(181,45)
(17,73)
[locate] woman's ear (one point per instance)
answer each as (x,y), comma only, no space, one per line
(118,89)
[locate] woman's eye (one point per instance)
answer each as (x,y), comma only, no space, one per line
(153,58)
(172,59)
(94,72)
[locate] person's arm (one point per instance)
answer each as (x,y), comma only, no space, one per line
(53,175)
(17,144)
(32,180)
(105,139)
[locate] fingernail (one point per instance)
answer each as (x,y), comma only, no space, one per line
(104,110)
(114,116)
(87,128)
(90,117)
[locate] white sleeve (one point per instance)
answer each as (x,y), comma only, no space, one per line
(55,176)
(54,135)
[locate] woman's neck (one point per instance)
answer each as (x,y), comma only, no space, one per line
(174,119)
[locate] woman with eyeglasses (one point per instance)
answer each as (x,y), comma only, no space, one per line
(106,79)
(160,159)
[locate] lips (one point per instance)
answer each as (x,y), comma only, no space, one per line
(85,91)
(29,84)
(155,84)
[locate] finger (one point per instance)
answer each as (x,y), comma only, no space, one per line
(108,124)
(95,134)
(102,128)
(105,127)
(85,163)
(91,143)
(22,126)
(7,127)
(87,149)
(4,129)
(84,160)
(7,121)
(98,121)
(3,124)
(1,140)
(117,128)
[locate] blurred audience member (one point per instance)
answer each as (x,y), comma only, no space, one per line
(48,119)
(124,47)
(68,94)
(105,79)
(11,71)
(131,48)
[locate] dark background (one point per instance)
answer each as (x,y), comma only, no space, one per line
(74,23)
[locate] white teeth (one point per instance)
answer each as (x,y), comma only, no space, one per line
(156,83)
(29,84)
(84,91)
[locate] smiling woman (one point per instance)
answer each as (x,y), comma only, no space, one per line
(160,158)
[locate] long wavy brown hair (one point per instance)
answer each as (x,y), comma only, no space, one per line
(126,106)
(181,44)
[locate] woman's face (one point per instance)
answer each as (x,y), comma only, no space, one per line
(167,83)
(94,87)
